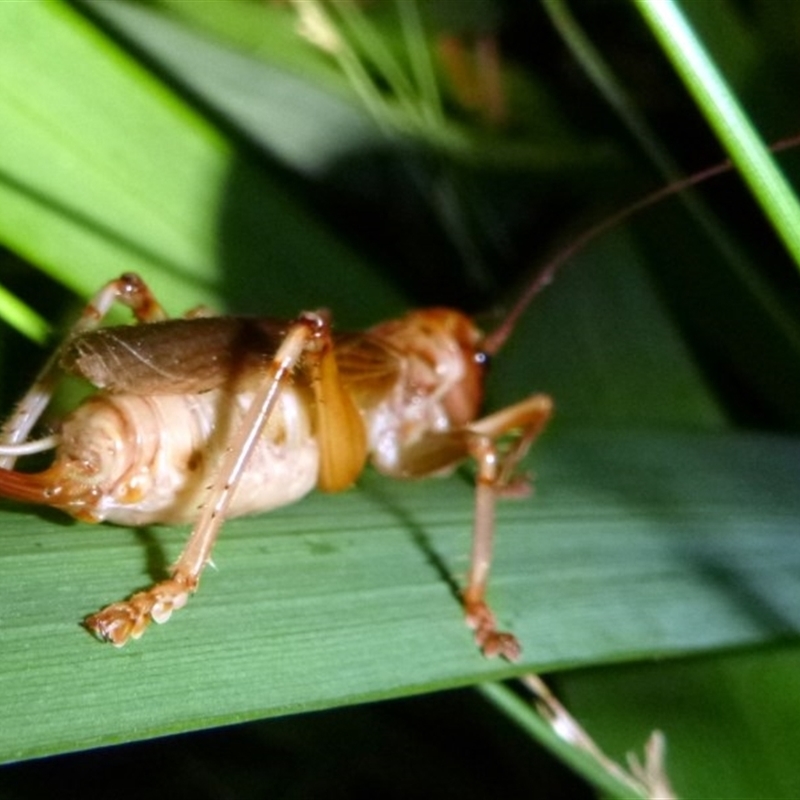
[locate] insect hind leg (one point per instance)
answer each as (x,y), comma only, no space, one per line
(128,619)
(128,290)
(496,476)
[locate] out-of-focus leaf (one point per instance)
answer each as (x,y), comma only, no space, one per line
(279,99)
(603,344)
(730,719)
(311,120)
(726,116)
(102,171)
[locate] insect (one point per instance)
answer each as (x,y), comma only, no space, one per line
(204,418)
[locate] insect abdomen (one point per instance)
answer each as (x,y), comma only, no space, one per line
(138,460)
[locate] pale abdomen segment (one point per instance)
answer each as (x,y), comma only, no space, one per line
(138,460)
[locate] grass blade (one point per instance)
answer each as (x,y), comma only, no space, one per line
(728,119)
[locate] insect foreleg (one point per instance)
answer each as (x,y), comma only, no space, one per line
(129,290)
(128,619)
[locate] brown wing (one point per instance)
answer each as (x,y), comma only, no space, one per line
(175,356)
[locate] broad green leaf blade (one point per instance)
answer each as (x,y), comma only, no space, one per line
(349,598)
(103,170)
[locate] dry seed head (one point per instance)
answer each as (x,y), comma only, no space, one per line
(316,27)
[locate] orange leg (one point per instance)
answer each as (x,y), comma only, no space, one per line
(522,422)
(496,476)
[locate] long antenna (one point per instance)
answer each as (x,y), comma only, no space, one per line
(498,337)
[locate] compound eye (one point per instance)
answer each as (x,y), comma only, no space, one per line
(482,359)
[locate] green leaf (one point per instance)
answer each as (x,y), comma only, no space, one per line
(277,70)
(726,116)
(103,170)
(275,89)
(348,598)
(602,342)
(657,528)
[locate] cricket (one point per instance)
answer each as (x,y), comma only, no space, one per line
(203,418)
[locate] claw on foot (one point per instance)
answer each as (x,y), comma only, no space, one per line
(491,641)
(120,622)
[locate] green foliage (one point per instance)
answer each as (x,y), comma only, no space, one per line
(232,163)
